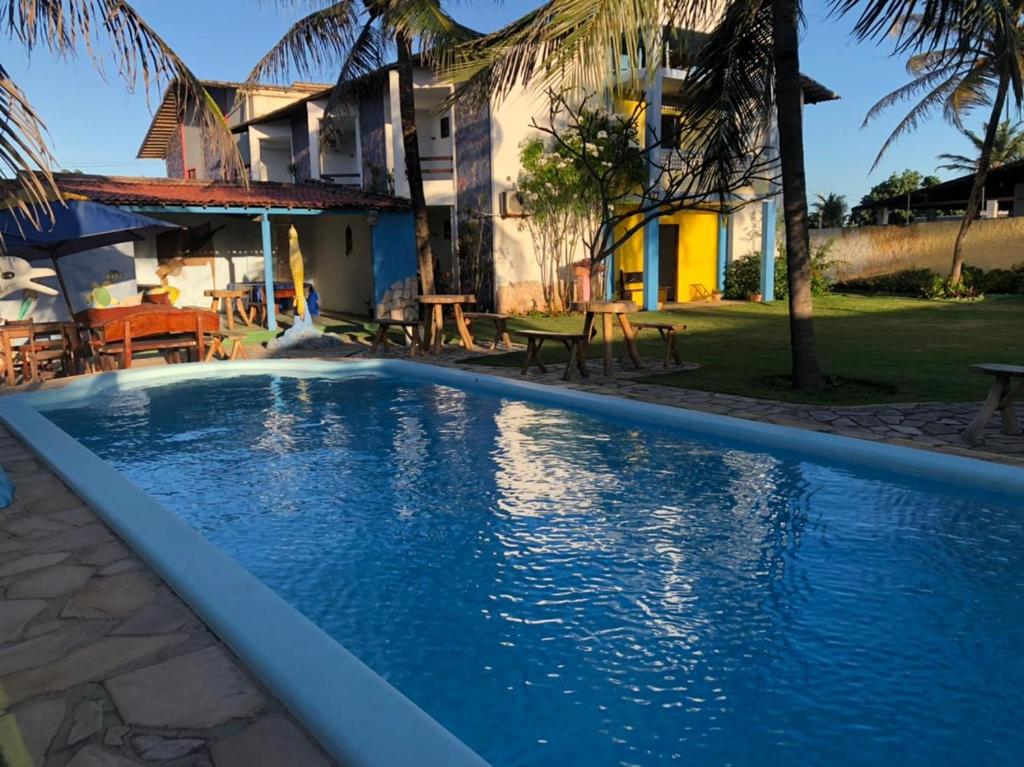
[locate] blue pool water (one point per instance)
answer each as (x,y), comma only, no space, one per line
(562,590)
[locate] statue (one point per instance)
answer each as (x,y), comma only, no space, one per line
(18,274)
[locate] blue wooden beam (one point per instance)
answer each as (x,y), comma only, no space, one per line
(723,251)
(240,211)
(652,238)
(268,271)
(768,250)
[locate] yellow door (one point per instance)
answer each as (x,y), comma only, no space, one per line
(698,254)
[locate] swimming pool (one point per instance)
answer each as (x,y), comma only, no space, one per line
(565,587)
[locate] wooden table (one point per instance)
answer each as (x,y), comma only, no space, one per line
(434,324)
(232,300)
(1007,386)
(608,310)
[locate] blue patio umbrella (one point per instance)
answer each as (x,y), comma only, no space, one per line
(73,227)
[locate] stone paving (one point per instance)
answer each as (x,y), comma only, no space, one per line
(101,665)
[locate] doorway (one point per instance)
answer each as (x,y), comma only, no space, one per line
(668,261)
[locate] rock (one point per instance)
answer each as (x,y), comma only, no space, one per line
(32,562)
(155,748)
(43,649)
(51,582)
(88,721)
(79,517)
(15,614)
(104,554)
(115,735)
(273,741)
(90,663)
(75,538)
(113,596)
(37,723)
(198,690)
(121,566)
(161,617)
(94,756)
(54,502)
(34,527)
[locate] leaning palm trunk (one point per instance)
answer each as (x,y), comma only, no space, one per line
(789,104)
(413,170)
(980,175)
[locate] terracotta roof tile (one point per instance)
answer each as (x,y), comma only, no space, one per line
(130,190)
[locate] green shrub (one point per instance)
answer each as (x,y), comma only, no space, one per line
(908,282)
(1004,280)
(743,276)
(945,289)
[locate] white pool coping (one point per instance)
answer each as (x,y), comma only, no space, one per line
(360,719)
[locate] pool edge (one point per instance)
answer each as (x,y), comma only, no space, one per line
(352,712)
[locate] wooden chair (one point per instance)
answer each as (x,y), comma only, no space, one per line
(47,351)
(171,332)
(216,346)
(412,331)
(669,332)
(575,343)
(500,326)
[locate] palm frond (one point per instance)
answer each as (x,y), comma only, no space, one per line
(316,43)
(24,155)
(438,34)
(140,55)
(582,45)
(730,90)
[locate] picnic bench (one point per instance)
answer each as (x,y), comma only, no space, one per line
(170,332)
(500,326)
(1007,386)
(669,331)
(575,343)
(216,345)
(412,332)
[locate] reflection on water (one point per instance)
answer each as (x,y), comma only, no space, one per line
(563,591)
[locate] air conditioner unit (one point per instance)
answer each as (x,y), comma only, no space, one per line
(512,205)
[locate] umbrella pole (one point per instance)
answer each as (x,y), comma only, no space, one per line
(63,286)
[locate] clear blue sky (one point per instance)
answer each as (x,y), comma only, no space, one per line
(97,126)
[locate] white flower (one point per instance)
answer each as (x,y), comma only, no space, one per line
(602,134)
(592,150)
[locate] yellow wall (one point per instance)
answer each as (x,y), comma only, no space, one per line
(698,252)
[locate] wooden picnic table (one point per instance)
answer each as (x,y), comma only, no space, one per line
(608,310)
(434,324)
(1007,386)
(231,300)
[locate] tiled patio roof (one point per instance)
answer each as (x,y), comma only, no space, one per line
(131,190)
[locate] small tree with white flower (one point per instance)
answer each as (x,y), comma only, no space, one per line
(566,203)
(589,164)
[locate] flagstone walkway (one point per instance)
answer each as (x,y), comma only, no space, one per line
(101,665)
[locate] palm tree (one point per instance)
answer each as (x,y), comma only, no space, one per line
(140,56)
(830,210)
(356,36)
(975,62)
(1007,147)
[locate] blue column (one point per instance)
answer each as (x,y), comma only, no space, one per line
(768,250)
(652,239)
(609,268)
(268,271)
(723,250)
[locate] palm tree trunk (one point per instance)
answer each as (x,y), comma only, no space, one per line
(978,188)
(413,170)
(789,104)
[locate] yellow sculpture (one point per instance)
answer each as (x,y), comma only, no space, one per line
(298,273)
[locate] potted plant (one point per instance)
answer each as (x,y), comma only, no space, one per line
(716,296)
(755,297)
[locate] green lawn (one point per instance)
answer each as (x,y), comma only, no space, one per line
(902,349)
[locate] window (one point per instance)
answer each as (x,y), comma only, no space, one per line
(446,126)
(447,229)
(670,131)
(191,173)
(349,242)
